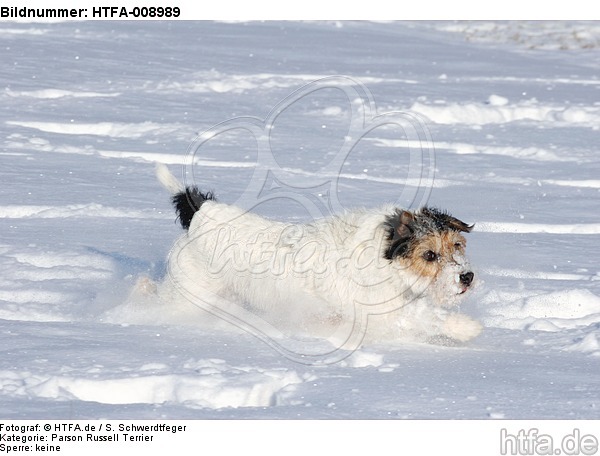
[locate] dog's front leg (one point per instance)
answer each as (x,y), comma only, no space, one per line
(460,327)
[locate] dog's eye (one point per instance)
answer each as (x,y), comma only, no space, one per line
(430,256)
(458,245)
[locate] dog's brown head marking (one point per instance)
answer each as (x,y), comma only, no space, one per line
(408,229)
(427,240)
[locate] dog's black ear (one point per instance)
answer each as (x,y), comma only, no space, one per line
(458,225)
(444,221)
(400,233)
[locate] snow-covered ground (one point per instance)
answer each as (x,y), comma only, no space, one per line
(88,108)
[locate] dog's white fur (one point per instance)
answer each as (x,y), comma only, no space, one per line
(312,278)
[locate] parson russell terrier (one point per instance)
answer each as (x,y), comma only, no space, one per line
(406,270)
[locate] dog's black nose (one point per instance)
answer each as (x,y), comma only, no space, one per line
(467,278)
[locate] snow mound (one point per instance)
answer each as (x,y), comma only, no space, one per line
(204,383)
(48,285)
(554,311)
(71,210)
(51,94)
(528,228)
(214,81)
(110,129)
(588,344)
(498,113)
(362,358)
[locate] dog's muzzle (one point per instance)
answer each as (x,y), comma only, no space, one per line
(466,280)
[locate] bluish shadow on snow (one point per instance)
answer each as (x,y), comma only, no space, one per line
(130,266)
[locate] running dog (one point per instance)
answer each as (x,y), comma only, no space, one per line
(406,270)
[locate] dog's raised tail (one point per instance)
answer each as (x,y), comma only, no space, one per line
(168,181)
(186,200)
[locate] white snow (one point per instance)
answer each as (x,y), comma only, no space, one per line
(200,384)
(547,311)
(54,93)
(90,108)
(110,129)
(496,111)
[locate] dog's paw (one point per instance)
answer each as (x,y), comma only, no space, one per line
(461,327)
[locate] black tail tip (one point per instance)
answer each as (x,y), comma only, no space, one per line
(188,203)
